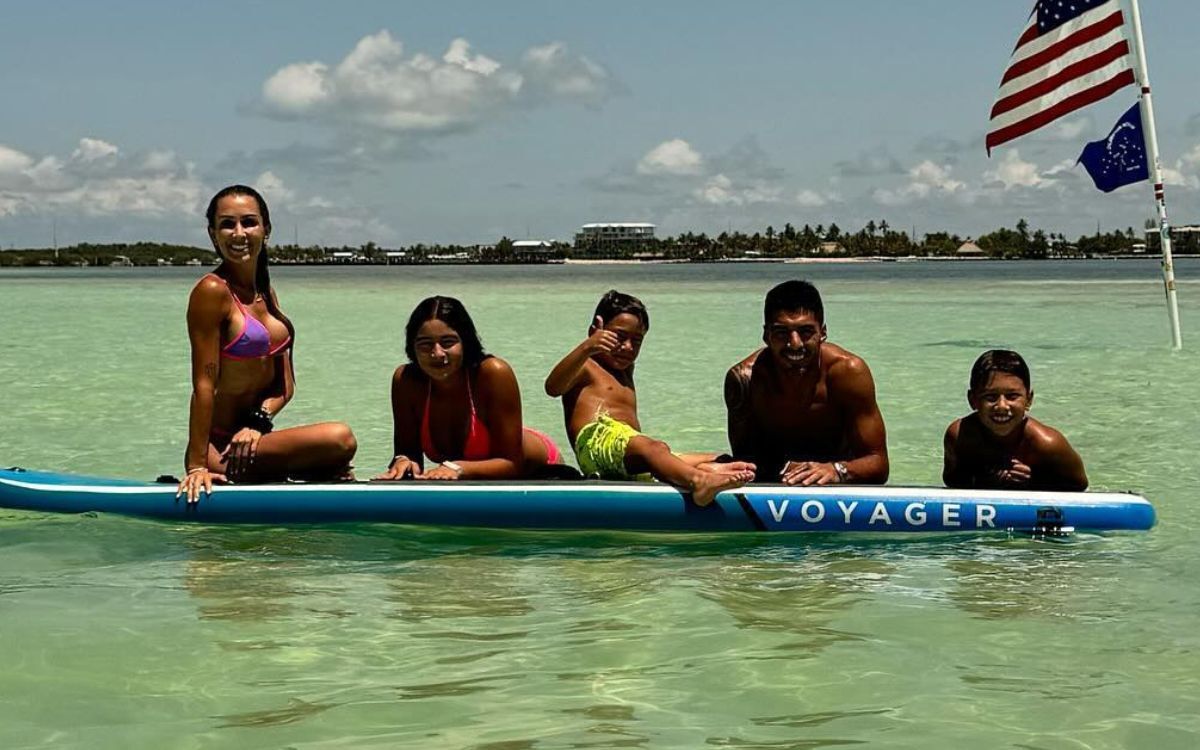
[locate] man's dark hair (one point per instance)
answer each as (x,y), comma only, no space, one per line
(791,296)
(451,312)
(998,360)
(613,303)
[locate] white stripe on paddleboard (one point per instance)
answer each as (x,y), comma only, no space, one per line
(928,494)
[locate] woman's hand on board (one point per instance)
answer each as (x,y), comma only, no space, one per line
(447,471)
(198,480)
(402,467)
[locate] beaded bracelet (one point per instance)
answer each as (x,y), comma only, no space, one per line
(261,420)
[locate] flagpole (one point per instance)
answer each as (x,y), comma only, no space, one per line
(1160,203)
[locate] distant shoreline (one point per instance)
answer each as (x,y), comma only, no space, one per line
(624,262)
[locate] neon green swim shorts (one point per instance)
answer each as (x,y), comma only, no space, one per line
(600,448)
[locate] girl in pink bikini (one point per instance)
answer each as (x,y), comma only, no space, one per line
(242,372)
(458,405)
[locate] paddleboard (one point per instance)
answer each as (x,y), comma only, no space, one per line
(639,506)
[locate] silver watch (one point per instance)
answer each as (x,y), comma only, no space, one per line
(842,472)
(453,467)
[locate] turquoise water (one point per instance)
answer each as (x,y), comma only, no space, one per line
(119,633)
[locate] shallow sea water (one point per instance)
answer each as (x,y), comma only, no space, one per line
(122,633)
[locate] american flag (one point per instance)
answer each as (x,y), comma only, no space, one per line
(1072,53)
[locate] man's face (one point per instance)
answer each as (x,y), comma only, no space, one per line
(794,339)
(1002,403)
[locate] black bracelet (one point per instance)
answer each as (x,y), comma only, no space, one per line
(260,420)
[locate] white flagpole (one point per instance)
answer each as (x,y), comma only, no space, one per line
(1151,136)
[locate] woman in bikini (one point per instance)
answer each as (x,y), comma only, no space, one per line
(242,366)
(458,405)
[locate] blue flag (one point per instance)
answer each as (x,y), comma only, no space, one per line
(1119,159)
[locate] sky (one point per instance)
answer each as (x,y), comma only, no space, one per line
(405,122)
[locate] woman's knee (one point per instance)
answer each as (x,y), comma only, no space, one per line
(341,437)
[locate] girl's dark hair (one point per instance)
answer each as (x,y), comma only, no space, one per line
(262,273)
(998,360)
(451,312)
(613,303)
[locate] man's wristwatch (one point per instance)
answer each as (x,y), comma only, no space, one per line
(842,472)
(453,467)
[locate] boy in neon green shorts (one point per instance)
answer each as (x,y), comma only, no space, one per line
(595,381)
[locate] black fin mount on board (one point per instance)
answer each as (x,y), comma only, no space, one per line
(1050,522)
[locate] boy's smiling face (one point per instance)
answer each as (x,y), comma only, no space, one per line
(1001,403)
(630,332)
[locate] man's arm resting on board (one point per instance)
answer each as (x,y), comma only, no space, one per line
(739,416)
(868,462)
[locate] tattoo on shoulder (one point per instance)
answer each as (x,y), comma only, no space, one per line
(737,386)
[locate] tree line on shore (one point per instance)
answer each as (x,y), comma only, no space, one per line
(875,239)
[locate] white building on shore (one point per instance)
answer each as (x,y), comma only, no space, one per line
(606,237)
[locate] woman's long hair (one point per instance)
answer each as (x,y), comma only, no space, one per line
(262,273)
(451,312)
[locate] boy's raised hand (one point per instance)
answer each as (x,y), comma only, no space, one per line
(602,341)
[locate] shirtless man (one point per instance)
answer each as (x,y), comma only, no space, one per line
(595,381)
(801,409)
(998,445)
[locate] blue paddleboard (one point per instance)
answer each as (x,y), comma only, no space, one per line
(637,506)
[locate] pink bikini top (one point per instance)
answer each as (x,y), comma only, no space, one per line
(479,443)
(254,342)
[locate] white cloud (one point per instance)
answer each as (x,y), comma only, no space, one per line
(1067,130)
(324,221)
(379,87)
(273,189)
(13,161)
(926,179)
(160,161)
(297,88)
(935,176)
(1184,172)
(1013,171)
(873,163)
(719,190)
(552,71)
(1191,159)
(156,195)
(48,174)
(673,157)
(460,54)
(93,149)
(810,199)
(96,180)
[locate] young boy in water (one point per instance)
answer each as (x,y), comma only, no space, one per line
(595,381)
(998,445)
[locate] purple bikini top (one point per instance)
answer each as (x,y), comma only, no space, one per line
(255,340)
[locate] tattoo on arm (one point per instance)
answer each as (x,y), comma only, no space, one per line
(210,370)
(739,413)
